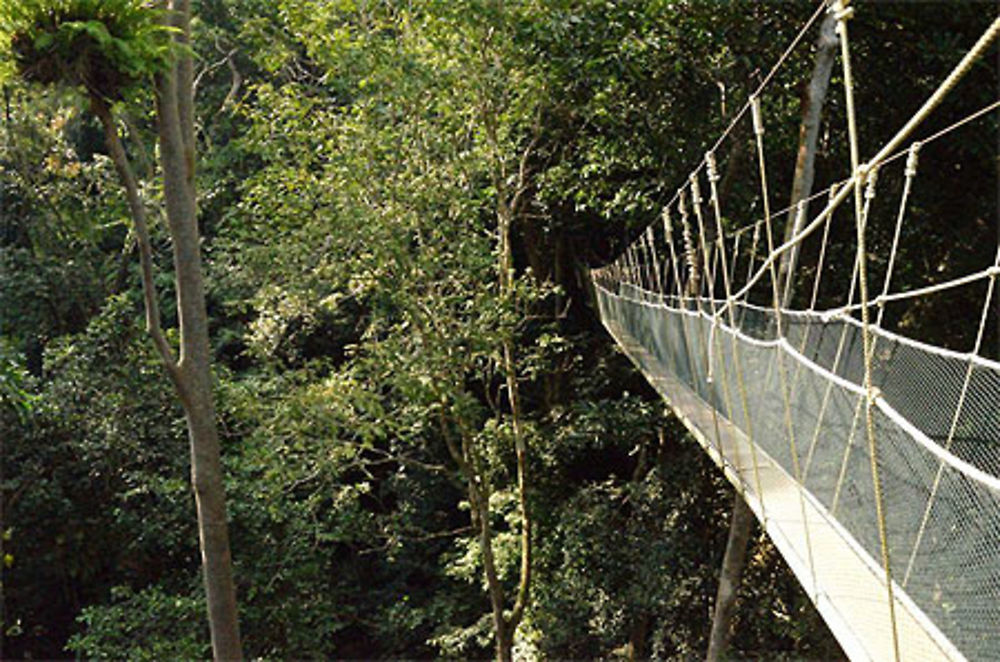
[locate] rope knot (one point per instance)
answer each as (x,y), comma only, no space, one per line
(695,190)
(667,229)
(912,160)
(758,122)
(872,179)
(842,12)
(710,167)
(874,394)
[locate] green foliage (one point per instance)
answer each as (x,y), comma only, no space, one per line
(104,46)
(147,625)
(13,395)
(350,202)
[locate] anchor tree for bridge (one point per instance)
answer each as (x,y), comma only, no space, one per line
(397,202)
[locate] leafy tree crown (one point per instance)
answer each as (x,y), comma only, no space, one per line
(104,46)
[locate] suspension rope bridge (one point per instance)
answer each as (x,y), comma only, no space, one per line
(871,459)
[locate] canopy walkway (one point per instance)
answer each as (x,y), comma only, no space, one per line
(871,459)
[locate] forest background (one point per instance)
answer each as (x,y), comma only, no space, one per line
(398,204)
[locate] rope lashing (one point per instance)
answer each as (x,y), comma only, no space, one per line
(690,252)
(909,173)
(842,12)
(651,241)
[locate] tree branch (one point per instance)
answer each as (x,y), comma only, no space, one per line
(138,210)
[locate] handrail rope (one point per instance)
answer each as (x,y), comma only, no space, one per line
(964,467)
(955,419)
(980,361)
(824,317)
(883,299)
(844,13)
(890,159)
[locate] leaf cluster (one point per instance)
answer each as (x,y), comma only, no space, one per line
(104,46)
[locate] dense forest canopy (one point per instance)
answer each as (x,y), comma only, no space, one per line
(430,446)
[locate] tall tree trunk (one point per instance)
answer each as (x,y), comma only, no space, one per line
(505,635)
(729,578)
(805,162)
(191,371)
(175,114)
(802,182)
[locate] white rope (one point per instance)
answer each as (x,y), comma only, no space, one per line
(758,124)
(861,172)
(883,299)
(955,419)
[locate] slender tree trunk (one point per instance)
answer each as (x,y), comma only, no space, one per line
(177,153)
(191,371)
(505,635)
(729,578)
(805,162)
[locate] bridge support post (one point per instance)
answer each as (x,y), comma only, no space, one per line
(729,578)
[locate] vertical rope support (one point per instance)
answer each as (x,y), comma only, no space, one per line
(787,295)
(690,252)
(758,126)
(844,13)
(681,297)
(869,196)
(713,179)
(651,241)
(669,233)
(800,217)
(912,160)
(696,201)
(753,249)
(736,259)
(958,413)
(822,253)
(820,262)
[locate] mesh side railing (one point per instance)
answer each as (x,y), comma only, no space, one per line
(939,475)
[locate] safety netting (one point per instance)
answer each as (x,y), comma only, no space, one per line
(889,442)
